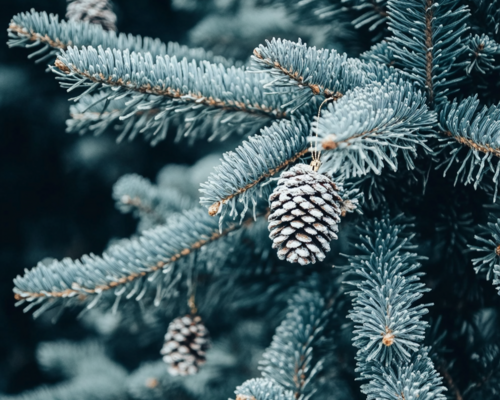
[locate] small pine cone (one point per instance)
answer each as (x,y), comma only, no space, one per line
(185,345)
(98,12)
(305,210)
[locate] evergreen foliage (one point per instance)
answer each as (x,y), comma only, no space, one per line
(401,126)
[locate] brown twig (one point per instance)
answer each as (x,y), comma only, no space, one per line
(429,15)
(230,105)
(484,148)
(316,89)
(77,289)
(449,380)
(214,208)
(34,37)
(94,115)
(379,9)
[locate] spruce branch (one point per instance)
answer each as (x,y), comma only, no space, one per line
(41,29)
(152,204)
(389,330)
(482,51)
(130,267)
(476,132)
(292,359)
(426,51)
(204,83)
(201,91)
(370,126)
(388,323)
(310,72)
(244,173)
(488,246)
(262,389)
(416,380)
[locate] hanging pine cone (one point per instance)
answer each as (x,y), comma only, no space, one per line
(98,12)
(305,210)
(185,345)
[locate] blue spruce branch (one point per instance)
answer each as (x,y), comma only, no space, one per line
(389,330)
(388,324)
(292,359)
(130,268)
(368,127)
(262,389)
(309,72)
(168,87)
(428,41)
(244,173)
(417,380)
(35,29)
(476,130)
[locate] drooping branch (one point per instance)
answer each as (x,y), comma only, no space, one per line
(125,263)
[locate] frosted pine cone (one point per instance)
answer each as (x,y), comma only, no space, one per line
(305,210)
(98,12)
(185,345)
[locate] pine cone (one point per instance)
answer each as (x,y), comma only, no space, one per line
(185,345)
(306,208)
(98,12)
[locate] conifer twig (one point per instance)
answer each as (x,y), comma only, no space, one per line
(155,250)
(37,37)
(174,93)
(214,208)
(428,53)
(244,171)
(29,29)
(429,58)
(294,75)
(182,81)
